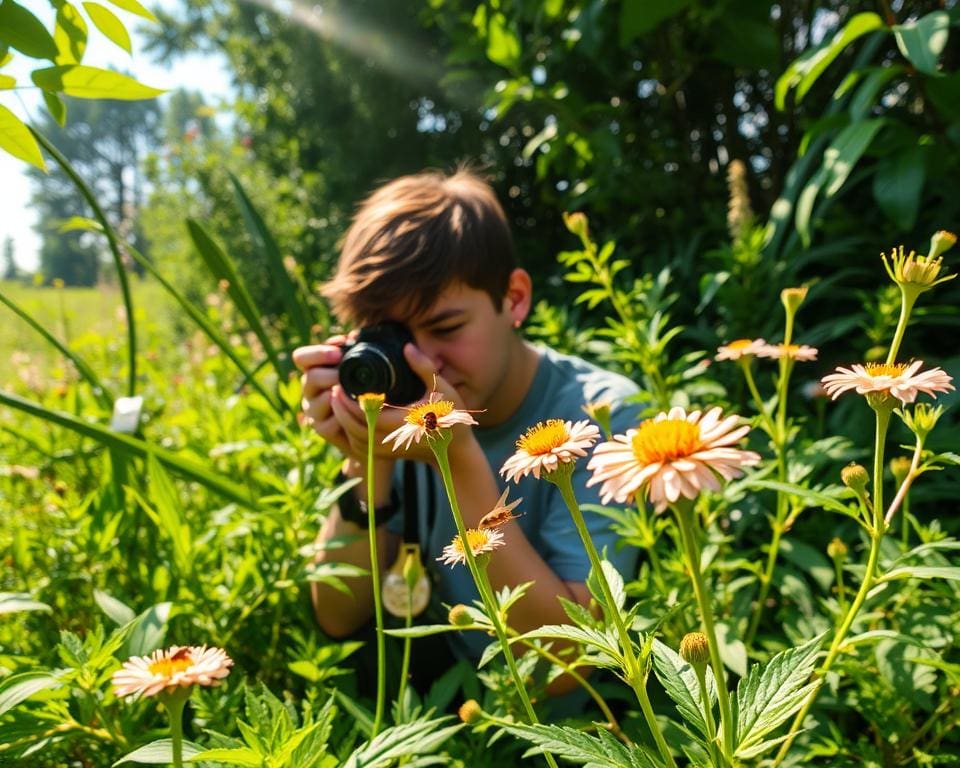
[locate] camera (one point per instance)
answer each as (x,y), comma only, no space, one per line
(374,362)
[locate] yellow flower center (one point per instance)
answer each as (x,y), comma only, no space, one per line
(883,369)
(426,414)
(542,438)
(665,440)
(168,667)
(740,344)
(477,538)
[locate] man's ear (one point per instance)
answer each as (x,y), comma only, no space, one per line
(519,296)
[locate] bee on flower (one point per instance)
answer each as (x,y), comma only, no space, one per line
(426,419)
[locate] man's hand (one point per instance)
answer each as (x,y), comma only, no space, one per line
(319,362)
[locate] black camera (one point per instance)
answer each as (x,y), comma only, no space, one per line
(374,362)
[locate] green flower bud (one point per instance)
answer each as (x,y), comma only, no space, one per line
(371,403)
(836,549)
(922,419)
(941,242)
(855,476)
(459,616)
(792,298)
(577,224)
(899,468)
(695,649)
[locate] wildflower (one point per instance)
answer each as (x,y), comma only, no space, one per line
(917,273)
(459,616)
(179,666)
(899,380)
(547,445)
(470,712)
(740,348)
(922,419)
(672,455)
(371,402)
(480,541)
(792,298)
(800,352)
(576,223)
(695,649)
(855,476)
(501,514)
(427,419)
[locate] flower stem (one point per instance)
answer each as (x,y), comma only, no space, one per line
(635,676)
(708,720)
(691,550)
(174,703)
(439,446)
(755,393)
(907,300)
(371,417)
(407,640)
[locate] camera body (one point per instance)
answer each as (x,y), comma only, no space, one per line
(374,362)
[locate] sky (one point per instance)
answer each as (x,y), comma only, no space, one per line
(203,73)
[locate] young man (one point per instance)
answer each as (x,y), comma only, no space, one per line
(435,253)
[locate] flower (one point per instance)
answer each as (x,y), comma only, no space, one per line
(175,667)
(548,444)
(426,418)
(501,514)
(672,455)
(695,649)
(740,348)
(900,380)
(470,712)
(480,540)
(919,273)
(800,352)
(792,298)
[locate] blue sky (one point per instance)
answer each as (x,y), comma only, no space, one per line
(203,73)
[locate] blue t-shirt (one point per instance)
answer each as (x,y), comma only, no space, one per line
(562,385)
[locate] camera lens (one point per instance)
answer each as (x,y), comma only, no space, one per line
(366,369)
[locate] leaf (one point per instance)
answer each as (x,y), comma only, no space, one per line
(599,640)
(766,698)
(135,8)
(818,498)
(804,71)
(503,47)
(56,106)
(237,756)
(7,82)
(83,82)
(578,747)
(733,652)
(167,504)
(417,738)
(108,23)
(116,611)
(922,41)
(20,29)
(866,96)
(159,752)
(20,687)
(15,602)
(423,630)
(898,184)
(148,631)
(70,35)
(679,679)
(637,17)
(921,572)
(16,139)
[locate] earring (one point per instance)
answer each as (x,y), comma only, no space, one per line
(516,324)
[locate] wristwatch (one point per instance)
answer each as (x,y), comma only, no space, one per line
(354,509)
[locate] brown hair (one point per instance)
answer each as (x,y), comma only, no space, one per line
(416,235)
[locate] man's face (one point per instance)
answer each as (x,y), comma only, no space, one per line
(469,341)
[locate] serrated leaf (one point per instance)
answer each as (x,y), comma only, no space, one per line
(70,35)
(922,41)
(16,139)
(236,756)
(767,697)
(602,641)
(108,23)
(20,687)
(578,747)
(679,679)
(20,29)
(416,738)
(733,652)
(83,82)
(159,752)
(15,602)
(116,611)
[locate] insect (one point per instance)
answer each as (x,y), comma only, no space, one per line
(501,514)
(430,420)
(181,655)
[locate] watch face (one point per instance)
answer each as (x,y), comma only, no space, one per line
(397,598)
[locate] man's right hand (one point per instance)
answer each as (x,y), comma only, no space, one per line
(319,362)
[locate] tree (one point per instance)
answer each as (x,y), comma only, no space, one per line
(105,142)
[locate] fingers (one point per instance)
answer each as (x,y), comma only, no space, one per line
(324,355)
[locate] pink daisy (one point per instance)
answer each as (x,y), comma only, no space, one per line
(480,540)
(672,455)
(174,667)
(427,418)
(800,352)
(740,348)
(900,380)
(548,444)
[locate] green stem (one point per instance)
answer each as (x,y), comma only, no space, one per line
(907,300)
(635,677)
(174,703)
(405,664)
(692,554)
(841,590)
(755,394)
(371,417)
(711,724)
(439,446)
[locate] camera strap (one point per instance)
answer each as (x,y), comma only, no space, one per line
(411,505)
(399,597)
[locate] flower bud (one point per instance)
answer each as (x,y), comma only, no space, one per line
(599,411)
(836,549)
(695,649)
(577,224)
(855,476)
(371,403)
(459,616)
(470,712)
(899,468)
(792,298)
(922,419)
(915,273)
(941,242)
(412,570)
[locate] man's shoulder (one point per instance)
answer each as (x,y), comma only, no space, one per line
(584,380)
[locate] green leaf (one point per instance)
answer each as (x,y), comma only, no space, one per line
(237,756)
(817,498)
(7,82)
(898,185)
(680,682)
(83,82)
(602,641)
(20,29)
(167,504)
(15,602)
(20,687)
(766,698)
(70,35)
(118,612)
(17,140)
(601,751)
(503,47)
(921,572)
(423,630)
(159,752)
(922,41)
(733,652)
(108,23)
(865,99)
(417,738)
(56,106)
(839,160)
(804,71)
(637,17)
(148,631)
(132,6)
